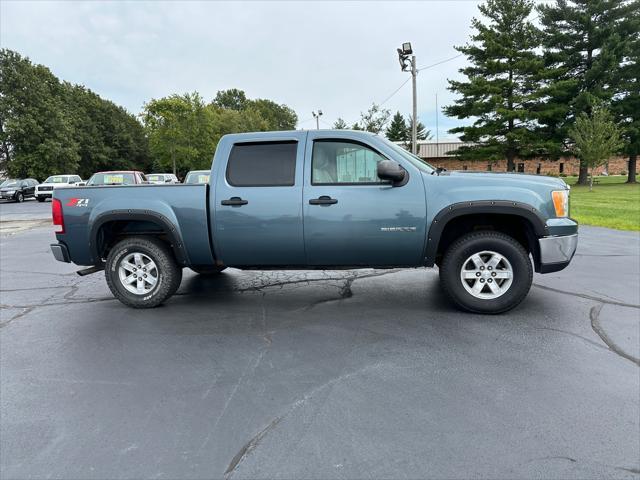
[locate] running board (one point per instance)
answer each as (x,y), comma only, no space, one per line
(90,270)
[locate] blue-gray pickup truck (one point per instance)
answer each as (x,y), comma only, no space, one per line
(332,199)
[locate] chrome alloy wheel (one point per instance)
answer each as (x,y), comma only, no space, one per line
(486,275)
(138,273)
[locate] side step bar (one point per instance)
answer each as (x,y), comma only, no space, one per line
(90,270)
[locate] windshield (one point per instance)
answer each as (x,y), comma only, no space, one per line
(115,178)
(198,176)
(57,179)
(414,159)
(155,178)
(9,182)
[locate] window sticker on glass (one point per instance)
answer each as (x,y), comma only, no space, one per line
(114,179)
(203,178)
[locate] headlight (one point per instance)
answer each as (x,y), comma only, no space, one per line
(561,202)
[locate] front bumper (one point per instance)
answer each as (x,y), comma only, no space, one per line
(556,252)
(60,252)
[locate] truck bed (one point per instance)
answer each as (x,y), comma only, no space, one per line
(182,208)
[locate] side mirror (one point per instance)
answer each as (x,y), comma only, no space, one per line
(82,184)
(392,171)
(168,180)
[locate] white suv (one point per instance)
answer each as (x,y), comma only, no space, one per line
(45,189)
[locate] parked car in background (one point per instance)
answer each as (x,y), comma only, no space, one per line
(159,178)
(45,189)
(124,177)
(18,189)
(197,176)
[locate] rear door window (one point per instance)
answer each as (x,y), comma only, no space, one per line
(263,164)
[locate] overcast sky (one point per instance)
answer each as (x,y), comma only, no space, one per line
(336,56)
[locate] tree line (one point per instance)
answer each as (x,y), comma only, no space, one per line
(535,91)
(183,130)
(48,126)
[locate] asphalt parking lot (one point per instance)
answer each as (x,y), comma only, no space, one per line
(348,374)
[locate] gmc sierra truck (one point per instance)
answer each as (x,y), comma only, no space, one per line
(333,199)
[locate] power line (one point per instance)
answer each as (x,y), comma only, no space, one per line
(440,62)
(394,92)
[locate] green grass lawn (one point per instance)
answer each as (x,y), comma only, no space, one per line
(612,203)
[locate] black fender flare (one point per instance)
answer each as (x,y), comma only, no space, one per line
(168,228)
(501,207)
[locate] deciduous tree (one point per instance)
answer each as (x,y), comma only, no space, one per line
(596,137)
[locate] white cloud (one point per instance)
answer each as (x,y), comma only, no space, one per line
(337,56)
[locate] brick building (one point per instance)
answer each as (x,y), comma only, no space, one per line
(442,154)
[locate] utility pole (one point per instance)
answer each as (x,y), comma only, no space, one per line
(317,117)
(414,123)
(403,56)
(437,130)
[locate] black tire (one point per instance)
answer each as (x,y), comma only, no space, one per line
(169,274)
(19,197)
(454,261)
(40,199)
(207,270)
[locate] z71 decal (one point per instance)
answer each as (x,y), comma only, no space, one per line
(78,202)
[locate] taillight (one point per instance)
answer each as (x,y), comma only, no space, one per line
(56,212)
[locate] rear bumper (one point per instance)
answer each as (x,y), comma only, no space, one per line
(60,252)
(556,252)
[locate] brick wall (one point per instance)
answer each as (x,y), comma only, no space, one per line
(569,166)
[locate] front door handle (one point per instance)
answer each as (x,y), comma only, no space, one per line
(323,200)
(237,201)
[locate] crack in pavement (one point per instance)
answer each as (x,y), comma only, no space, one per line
(254,442)
(587,297)
(594,315)
(345,290)
(596,344)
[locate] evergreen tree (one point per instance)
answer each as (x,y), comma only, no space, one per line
(340,124)
(583,45)
(501,85)
(397,131)
(421,131)
(626,105)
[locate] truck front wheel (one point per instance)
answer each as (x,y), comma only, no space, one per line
(486,272)
(141,272)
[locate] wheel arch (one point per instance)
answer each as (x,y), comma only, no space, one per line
(110,226)
(520,220)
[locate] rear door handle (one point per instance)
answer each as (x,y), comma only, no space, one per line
(323,200)
(234,201)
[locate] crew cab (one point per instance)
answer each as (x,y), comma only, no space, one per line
(322,199)
(45,189)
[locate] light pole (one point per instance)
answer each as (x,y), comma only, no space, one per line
(317,117)
(405,63)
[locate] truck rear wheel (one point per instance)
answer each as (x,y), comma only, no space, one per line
(486,272)
(141,272)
